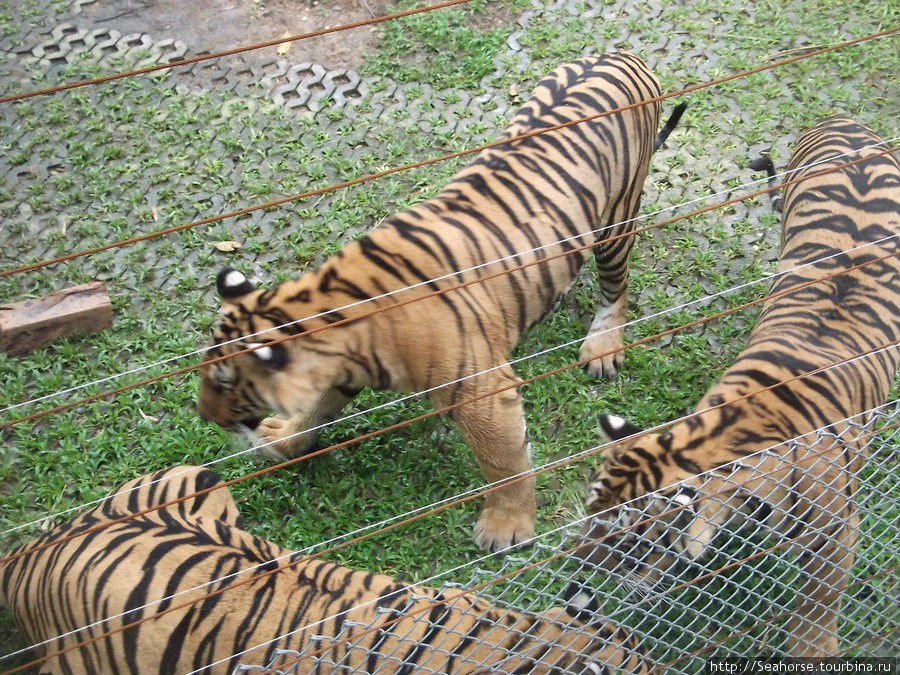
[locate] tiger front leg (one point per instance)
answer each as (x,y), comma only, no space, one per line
(494,428)
(282,438)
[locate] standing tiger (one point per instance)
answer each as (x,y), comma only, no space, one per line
(801,485)
(522,202)
(335,619)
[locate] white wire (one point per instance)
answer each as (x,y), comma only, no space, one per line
(549,464)
(426,391)
(407,397)
(203,350)
(543,468)
(578,521)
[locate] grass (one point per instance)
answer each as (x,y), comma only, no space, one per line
(138,156)
(446,49)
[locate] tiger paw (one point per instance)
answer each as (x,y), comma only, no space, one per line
(497,528)
(605,350)
(280,439)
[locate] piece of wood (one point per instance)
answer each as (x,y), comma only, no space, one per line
(76,310)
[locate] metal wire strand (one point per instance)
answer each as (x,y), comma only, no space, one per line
(414,395)
(446,157)
(439,292)
(449,502)
(485,490)
(230,52)
(472,375)
(453,406)
(443,277)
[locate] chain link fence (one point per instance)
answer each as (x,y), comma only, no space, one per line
(755,559)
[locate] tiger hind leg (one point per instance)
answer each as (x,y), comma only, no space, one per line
(601,350)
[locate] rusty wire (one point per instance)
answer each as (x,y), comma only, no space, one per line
(486,489)
(388,172)
(441,158)
(230,52)
(463,592)
(186,369)
(499,484)
(494,392)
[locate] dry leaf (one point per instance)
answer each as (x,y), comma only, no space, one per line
(148,418)
(227,246)
(513,90)
(284,47)
(155,214)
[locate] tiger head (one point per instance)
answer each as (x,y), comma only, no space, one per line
(298,378)
(648,524)
(647,539)
(652,540)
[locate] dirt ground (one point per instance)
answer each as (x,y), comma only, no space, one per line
(213,25)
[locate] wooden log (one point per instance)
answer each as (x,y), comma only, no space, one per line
(76,310)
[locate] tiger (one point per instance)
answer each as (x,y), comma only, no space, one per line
(800,485)
(182,558)
(515,204)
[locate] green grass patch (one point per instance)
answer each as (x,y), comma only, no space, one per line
(451,48)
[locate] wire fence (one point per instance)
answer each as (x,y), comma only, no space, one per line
(712,577)
(704,568)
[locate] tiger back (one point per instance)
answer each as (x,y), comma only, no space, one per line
(166,572)
(422,302)
(784,456)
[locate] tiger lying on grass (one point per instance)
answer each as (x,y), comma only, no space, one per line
(559,190)
(338,618)
(803,490)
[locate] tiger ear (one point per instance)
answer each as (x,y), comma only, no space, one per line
(273,356)
(615,428)
(232,284)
